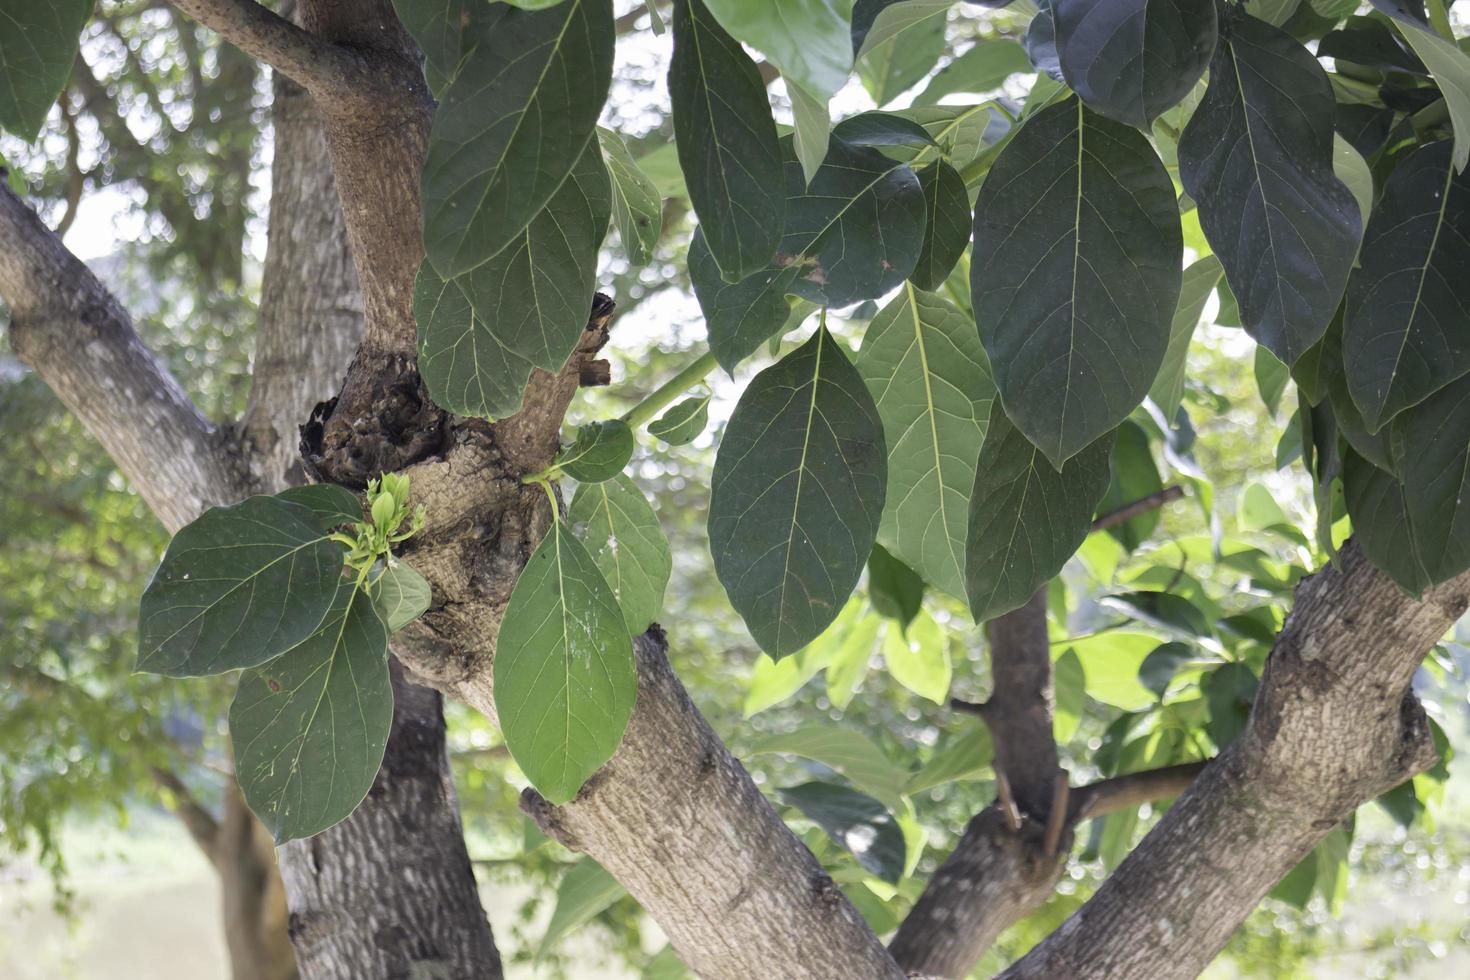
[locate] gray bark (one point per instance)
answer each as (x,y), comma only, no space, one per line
(1334,725)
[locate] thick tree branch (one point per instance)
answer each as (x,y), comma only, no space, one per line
(331,72)
(74,334)
(1334,725)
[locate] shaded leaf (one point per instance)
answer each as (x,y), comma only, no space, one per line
(1135,476)
(844,750)
(511,126)
(1160,666)
(1229,690)
(401,595)
(1132,59)
(332,505)
(682,423)
(1076,274)
(946,224)
(923,362)
(622,534)
(797,492)
(1408,301)
(894,589)
(309,728)
(1194,292)
(564,675)
(481,334)
(812,131)
(1257,158)
(1450,67)
(739,316)
(963,756)
(585,890)
(983,68)
(237,587)
(859,823)
(1026,518)
(637,208)
(38,47)
(600,451)
(726,142)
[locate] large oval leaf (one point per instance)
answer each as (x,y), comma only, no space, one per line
(1076,274)
(481,334)
(309,728)
(727,143)
(511,126)
(1431,452)
(38,46)
(1026,518)
(1382,526)
(625,540)
(565,679)
(238,587)
(739,316)
(1133,59)
(1406,333)
(923,363)
(946,224)
(1257,158)
(797,494)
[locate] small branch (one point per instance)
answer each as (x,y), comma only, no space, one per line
(200,823)
(1056,820)
(317,65)
(1142,506)
(695,372)
(1122,792)
(1007,801)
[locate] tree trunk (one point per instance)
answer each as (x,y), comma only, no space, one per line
(390,892)
(253,899)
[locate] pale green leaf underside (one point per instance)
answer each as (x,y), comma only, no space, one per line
(622,534)
(401,595)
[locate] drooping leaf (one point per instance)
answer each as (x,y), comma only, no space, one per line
(899,62)
(239,586)
(1381,524)
(636,206)
(844,750)
(333,505)
(797,493)
(585,890)
(856,821)
(1135,476)
(1194,292)
(682,423)
(1160,666)
(481,334)
(623,535)
(309,728)
(1026,518)
(946,224)
(918,658)
(812,133)
(1405,333)
(1271,378)
(1229,690)
(810,41)
(1257,158)
(963,756)
(923,362)
(1431,450)
(1076,274)
(983,68)
(726,142)
(1133,59)
(565,679)
(1450,66)
(895,590)
(511,126)
(401,595)
(38,46)
(600,451)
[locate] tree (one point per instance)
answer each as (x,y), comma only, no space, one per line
(1001,409)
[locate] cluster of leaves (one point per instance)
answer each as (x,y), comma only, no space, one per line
(271,587)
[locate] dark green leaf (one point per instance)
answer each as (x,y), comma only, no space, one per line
(1450,66)
(443,30)
(600,452)
(510,128)
(893,588)
(963,756)
(1132,59)
(481,334)
(38,46)
(1229,690)
(1041,43)
(1257,158)
(1194,292)
(565,679)
(727,143)
(309,728)
(1271,378)
(1135,476)
(856,821)
(946,226)
(238,587)
(1026,519)
(882,129)
(1167,612)
(333,505)
(739,316)
(636,206)
(682,423)
(797,493)
(1160,666)
(1370,43)
(624,538)
(1431,450)
(1076,274)
(923,363)
(1408,301)
(401,595)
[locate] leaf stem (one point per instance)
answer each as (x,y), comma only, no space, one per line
(695,372)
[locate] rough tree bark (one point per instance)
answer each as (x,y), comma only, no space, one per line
(68,328)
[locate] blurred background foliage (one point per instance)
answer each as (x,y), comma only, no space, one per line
(156,166)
